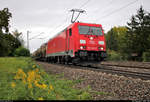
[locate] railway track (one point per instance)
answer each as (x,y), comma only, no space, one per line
(109,70)
(128,66)
(144,76)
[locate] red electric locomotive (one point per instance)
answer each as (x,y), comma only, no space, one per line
(78,42)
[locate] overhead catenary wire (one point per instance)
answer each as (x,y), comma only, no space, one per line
(85,3)
(98,9)
(107,15)
(65,20)
(36,36)
(82,6)
(107,5)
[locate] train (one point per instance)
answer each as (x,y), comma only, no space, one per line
(77,43)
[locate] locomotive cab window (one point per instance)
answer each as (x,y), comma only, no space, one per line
(90,30)
(70,31)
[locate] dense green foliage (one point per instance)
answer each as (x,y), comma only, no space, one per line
(115,37)
(21,51)
(113,56)
(132,41)
(146,56)
(139,33)
(4,19)
(8,44)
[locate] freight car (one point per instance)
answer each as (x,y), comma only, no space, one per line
(79,42)
(40,54)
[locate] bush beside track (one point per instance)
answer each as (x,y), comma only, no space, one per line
(116,56)
(22,79)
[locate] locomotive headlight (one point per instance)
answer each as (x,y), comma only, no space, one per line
(91,38)
(82,42)
(100,48)
(101,42)
(81,47)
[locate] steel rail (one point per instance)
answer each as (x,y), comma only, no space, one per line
(143,67)
(107,69)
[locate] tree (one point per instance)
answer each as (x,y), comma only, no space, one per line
(139,32)
(5,15)
(8,43)
(16,33)
(111,40)
(12,44)
(115,37)
(18,36)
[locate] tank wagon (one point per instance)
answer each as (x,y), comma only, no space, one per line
(40,54)
(79,42)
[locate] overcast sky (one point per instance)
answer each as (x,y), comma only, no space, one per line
(48,17)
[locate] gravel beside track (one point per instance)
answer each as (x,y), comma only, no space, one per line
(113,87)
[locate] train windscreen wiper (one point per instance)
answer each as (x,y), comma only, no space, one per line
(88,33)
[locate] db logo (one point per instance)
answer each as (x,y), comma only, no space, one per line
(92,42)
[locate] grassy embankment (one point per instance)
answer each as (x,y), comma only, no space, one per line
(22,79)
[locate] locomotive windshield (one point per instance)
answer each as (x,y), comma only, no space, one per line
(90,30)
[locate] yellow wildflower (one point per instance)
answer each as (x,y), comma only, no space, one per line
(36,70)
(36,83)
(34,66)
(29,85)
(44,86)
(40,98)
(51,87)
(13,85)
(37,76)
(20,74)
(31,76)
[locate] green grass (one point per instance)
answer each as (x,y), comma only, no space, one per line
(62,88)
